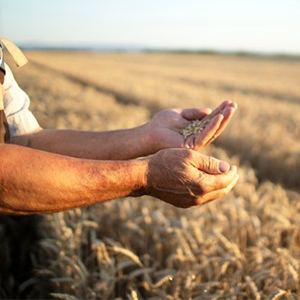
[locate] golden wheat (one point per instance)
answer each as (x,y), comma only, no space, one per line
(245,246)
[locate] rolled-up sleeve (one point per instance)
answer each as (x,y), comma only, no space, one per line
(16,107)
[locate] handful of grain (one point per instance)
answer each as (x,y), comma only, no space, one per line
(195,127)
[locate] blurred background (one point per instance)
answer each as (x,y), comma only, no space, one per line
(105,65)
(259,26)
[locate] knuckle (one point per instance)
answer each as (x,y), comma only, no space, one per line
(203,189)
(188,153)
(185,155)
(211,163)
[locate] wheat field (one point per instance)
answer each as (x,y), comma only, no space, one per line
(244,246)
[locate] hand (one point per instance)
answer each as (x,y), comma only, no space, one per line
(186,178)
(166,126)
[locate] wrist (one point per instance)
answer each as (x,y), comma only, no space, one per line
(139,169)
(144,140)
(149,139)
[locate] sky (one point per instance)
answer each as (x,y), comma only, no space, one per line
(260,26)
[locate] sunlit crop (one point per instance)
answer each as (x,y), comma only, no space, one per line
(245,246)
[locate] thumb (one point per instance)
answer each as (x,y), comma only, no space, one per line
(209,164)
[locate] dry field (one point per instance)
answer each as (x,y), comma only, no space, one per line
(245,246)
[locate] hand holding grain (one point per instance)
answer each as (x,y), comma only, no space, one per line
(203,131)
(186,178)
(192,128)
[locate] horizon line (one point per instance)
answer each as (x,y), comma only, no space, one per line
(140,47)
(105,48)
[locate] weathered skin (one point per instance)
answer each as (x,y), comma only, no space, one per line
(54,170)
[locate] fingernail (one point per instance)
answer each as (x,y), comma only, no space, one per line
(223,166)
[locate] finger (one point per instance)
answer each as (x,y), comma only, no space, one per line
(199,141)
(223,180)
(233,105)
(189,142)
(208,164)
(219,193)
(218,181)
(195,113)
(228,114)
(218,110)
(208,133)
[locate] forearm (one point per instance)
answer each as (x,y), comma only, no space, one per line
(109,145)
(34,181)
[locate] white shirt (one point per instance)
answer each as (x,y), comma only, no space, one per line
(16,104)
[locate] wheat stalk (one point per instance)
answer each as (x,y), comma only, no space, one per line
(127,253)
(63,296)
(277,295)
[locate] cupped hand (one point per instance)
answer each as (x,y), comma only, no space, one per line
(165,128)
(186,178)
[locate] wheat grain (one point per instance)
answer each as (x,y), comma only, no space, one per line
(91,224)
(253,288)
(194,127)
(63,296)
(162,281)
(127,253)
(102,254)
(294,274)
(133,295)
(277,295)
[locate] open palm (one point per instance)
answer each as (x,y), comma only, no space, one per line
(166,126)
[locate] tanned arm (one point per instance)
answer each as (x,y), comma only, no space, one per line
(35,181)
(108,145)
(161,132)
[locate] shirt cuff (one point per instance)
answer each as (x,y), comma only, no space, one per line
(22,123)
